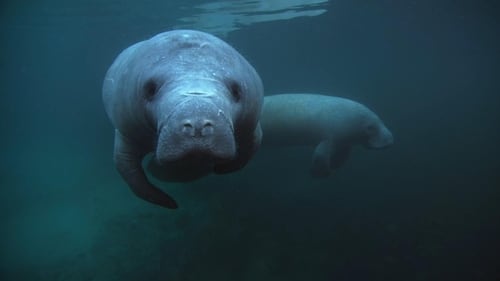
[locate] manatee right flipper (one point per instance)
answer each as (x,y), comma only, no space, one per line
(128,163)
(339,155)
(248,145)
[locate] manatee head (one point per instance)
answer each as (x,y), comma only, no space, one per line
(203,99)
(376,134)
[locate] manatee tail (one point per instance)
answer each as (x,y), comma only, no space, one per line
(128,163)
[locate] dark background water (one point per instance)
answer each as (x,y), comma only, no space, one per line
(425,209)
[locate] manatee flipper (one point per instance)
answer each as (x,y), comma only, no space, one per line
(321,160)
(249,144)
(327,157)
(339,156)
(128,163)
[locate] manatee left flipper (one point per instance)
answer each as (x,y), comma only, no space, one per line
(128,163)
(327,157)
(321,160)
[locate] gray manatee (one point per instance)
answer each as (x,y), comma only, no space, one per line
(188,98)
(331,124)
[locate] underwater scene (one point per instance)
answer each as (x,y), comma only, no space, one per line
(325,140)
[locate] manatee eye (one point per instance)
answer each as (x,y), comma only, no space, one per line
(150,89)
(235,90)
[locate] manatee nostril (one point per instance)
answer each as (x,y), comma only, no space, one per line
(207,129)
(199,128)
(187,128)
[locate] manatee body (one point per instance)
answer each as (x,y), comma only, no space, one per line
(188,98)
(331,124)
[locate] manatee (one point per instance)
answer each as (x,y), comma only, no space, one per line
(188,99)
(331,124)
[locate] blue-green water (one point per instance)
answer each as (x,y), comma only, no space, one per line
(425,209)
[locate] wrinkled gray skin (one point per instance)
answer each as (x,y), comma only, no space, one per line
(331,124)
(191,100)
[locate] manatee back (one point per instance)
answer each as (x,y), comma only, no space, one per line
(307,119)
(298,119)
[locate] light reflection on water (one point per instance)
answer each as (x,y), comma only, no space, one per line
(225,16)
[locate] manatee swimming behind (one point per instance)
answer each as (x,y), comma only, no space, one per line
(331,124)
(190,99)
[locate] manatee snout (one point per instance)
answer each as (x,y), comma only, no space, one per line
(197,129)
(383,138)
